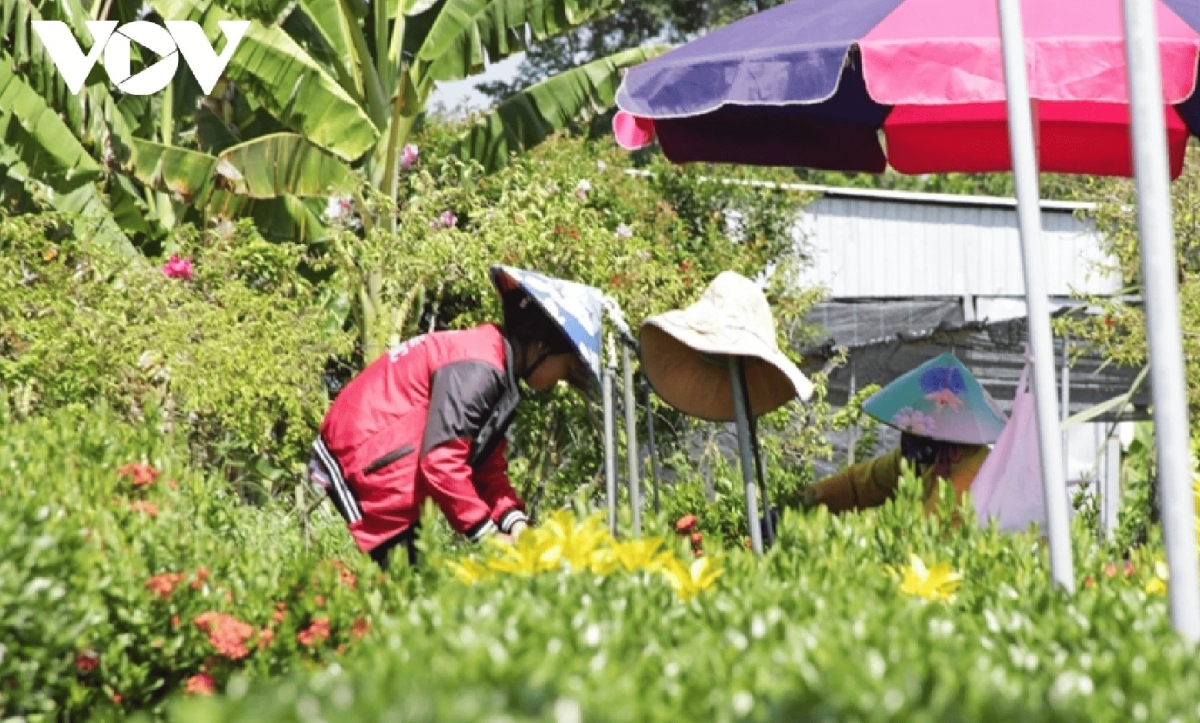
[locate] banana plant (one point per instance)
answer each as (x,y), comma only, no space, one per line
(346,80)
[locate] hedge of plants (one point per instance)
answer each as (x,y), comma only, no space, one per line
(132,582)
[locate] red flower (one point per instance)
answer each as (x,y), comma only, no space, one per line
(164,583)
(686,524)
(266,636)
(174,621)
(201,577)
(142,506)
(360,628)
(1089,582)
(172,484)
(226,633)
(280,613)
(348,579)
(177,268)
(201,684)
(117,698)
(1110,570)
(139,474)
(315,634)
(1128,568)
(86,662)
(697,539)
(1108,321)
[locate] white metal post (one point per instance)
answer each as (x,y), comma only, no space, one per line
(741,411)
(631,442)
(1159,290)
(1025,179)
(610,439)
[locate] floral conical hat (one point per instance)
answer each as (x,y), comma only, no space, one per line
(941,400)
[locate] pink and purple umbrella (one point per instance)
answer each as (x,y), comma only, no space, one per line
(811,83)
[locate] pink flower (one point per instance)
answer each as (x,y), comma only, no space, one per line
(409,156)
(945,398)
(624,231)
(178,268)
(446,220)
(911,420)
(202,684)
(582,189)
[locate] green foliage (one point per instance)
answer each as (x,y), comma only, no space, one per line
(818,630)
(234,355)
(84,623)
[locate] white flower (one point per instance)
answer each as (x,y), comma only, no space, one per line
(601,166)
(624,231)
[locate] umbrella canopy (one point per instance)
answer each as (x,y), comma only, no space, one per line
(811,83)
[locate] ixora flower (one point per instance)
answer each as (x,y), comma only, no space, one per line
(226,633)
(686,524)
(139,474)
(911,420)
(177,268)
(163,584)
(316,633)
(936,583)
(409,157)
(147,508)
(86,661)
(201,684)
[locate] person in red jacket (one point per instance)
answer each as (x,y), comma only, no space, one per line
(428,419)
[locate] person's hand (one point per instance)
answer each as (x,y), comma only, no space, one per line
(504,538)
(516,530)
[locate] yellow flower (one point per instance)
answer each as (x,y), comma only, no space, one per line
(637,555)
(535,552)
(581,541)
(1157,585)
(936,583)
(689,580)
(469,571)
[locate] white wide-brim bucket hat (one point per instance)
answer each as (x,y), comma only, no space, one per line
(685,353)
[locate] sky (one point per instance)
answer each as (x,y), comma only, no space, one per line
(459,98)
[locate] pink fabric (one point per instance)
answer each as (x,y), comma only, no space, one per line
(1091,138)
(1008,486)
(633,132)
(939,52)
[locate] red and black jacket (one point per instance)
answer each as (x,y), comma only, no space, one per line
(428,419)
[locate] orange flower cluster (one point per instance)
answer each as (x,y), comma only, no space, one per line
(266,636)
(142,506)
(348,579)
(202,684)
(201,577)
(139,474)
(226,633)
(315,634)
(164,583)
(361,627)
(280,613)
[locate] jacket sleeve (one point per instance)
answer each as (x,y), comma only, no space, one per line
(867,484)
(491,480)
(460,397)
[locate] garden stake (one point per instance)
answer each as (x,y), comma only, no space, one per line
(741,409)
(1161,296)
(760,466)
(1025,181)
(631,444)
(650,441)
(610,444)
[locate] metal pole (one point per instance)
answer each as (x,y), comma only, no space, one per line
(653,445)
(1066,408)
(1159,289)
(1111,499)
(741,410)
(1025,179)
(631,443)
(610,441)
(760,465)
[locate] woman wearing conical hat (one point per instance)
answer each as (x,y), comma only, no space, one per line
(946,422)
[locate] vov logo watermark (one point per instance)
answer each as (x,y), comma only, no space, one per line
(179,37)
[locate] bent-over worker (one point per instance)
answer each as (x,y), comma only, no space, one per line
(428,419)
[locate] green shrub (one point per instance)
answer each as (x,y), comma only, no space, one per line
(114,549)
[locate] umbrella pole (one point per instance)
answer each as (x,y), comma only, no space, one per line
(653,445)
(1025,179)
(1152,178)
(741,410)
(631,442)
(760,465)
(610,444)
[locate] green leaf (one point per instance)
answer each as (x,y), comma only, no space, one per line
(455,46)
(36,134)
(185,174)
(286,164)
(273,68)
(527,118)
